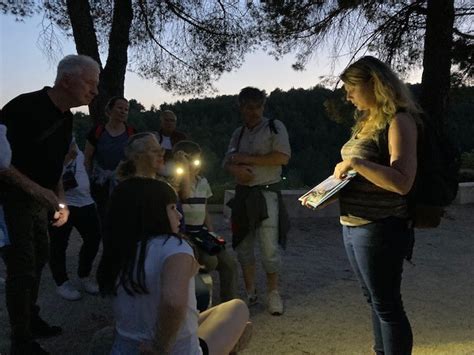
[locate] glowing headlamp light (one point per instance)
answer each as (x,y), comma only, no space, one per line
(179,171)
(196,162)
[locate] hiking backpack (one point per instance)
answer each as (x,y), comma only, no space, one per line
(437,179)
(436,182)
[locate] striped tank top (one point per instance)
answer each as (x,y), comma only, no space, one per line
(362,202)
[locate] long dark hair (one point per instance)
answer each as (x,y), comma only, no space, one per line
(137,212)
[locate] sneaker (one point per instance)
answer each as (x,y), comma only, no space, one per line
(68,291)
(90,286)
(252,298)
(274,303)
(41,329)
(31,347)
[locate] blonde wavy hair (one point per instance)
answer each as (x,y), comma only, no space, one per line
(136,145)
(391,94)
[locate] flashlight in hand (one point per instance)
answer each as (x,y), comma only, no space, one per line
(179,171)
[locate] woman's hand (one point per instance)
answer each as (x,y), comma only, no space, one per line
(341,169)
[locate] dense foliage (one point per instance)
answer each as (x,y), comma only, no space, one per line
(317,121)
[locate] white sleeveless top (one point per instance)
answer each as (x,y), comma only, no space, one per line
(136,316)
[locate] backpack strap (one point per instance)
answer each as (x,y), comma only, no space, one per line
(240,138)
(130,130)
(271,125)
(159,136)
(99,129)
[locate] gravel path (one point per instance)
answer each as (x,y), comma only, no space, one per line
(325,310)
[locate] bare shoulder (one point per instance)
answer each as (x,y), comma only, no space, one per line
(403,122)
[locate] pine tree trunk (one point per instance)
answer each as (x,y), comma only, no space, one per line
(112,76)
(437,60)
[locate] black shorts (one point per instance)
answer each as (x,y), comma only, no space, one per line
(204,347)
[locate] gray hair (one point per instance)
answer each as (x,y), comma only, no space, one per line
(137,144)
(168,113)
(75,64)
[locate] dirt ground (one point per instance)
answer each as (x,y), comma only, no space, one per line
(325,310)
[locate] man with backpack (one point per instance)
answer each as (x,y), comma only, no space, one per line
(255,156)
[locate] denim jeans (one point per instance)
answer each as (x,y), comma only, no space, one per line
(376,252)
(127,346)
(124,346)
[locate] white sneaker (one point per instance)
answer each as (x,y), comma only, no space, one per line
(68,291)
(90,286)
(274,303)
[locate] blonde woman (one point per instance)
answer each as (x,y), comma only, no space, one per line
(143,157)
(374,211)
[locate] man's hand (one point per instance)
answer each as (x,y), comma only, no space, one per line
(243,173)
(61,216)
(241,158)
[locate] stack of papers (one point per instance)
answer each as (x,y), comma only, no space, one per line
(325,190)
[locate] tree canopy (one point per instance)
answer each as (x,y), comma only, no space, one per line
(393,30)
(183,45)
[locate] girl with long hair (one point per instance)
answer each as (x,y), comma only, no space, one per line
(149,271)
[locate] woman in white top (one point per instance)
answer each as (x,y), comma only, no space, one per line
(149,269)
(84,217)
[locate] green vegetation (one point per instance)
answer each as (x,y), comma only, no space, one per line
(318,123)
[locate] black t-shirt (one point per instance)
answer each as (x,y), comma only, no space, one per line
(39,135)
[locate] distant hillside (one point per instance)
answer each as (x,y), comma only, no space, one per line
(315,138)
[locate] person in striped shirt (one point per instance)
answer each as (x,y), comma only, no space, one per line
(198,220)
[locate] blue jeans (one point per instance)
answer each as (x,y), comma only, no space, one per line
(376,252)
(124,346)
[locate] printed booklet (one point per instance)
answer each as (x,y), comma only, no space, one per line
(325,190)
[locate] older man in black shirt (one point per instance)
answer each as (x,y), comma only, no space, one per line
(39,131)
